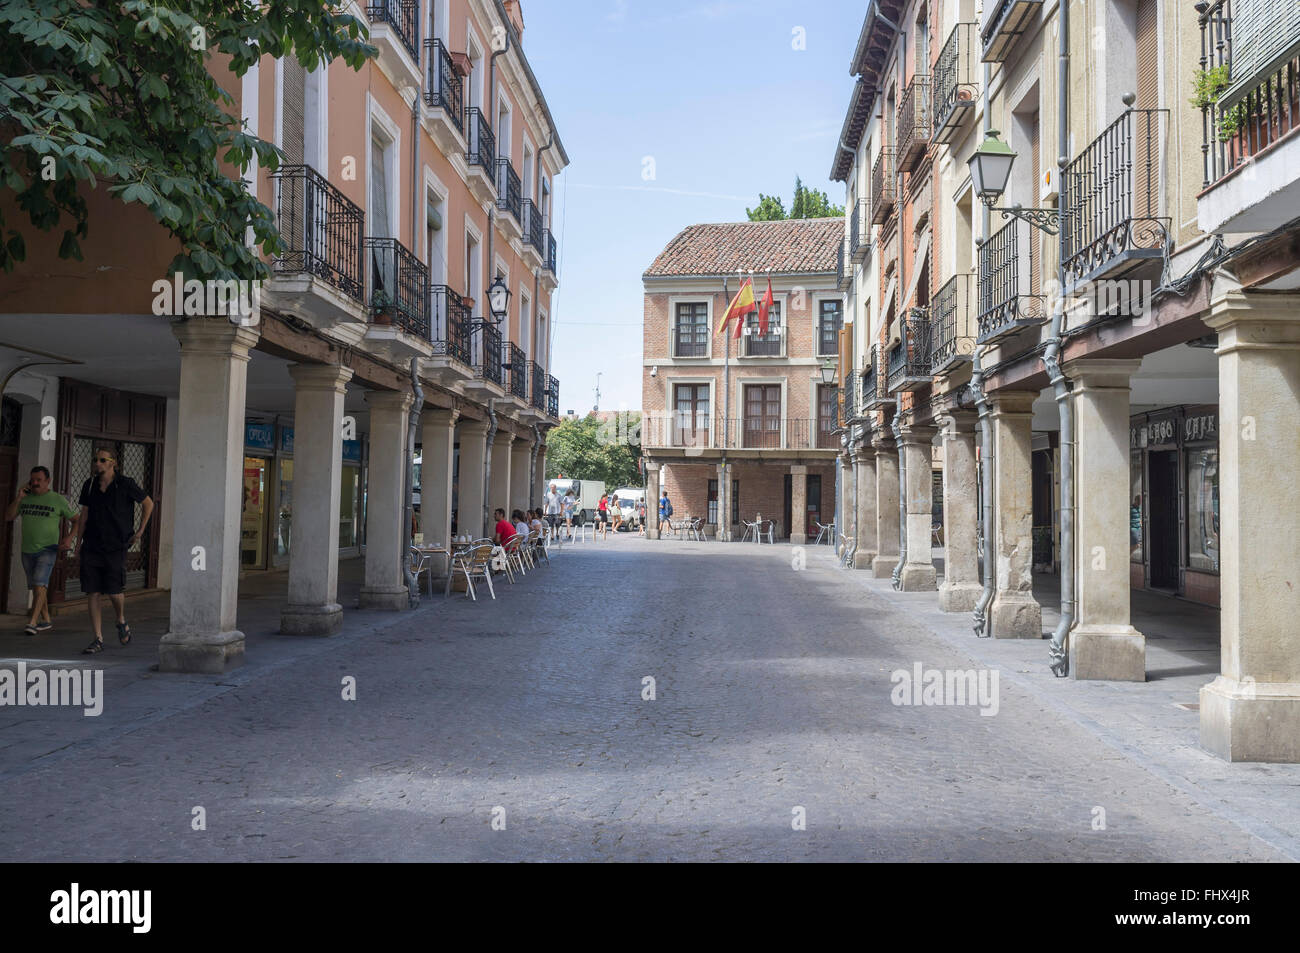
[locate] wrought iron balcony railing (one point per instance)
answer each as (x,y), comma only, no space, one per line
(444,89)
(677,429)
(482,148)
(956,85)
(1110,199)
(951,324)
(518,362)
(508,188)
(843,271)
(913,123)
(552,397)
(403,16)
(399,287)
(1255,100)
(550,252)
(530,220)
(321,228)
(777,433)
(883,187)
(1003,23)
(849,396)
(874,392)
(909,359)
(860,229)
(538,395)
(451,324)
(487,350)
(1008,298)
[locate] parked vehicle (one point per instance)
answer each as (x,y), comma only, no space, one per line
(587,493)
(628,498)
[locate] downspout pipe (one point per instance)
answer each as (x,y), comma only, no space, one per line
(981,620)
(412,428)
(487,462)
(1059,653)
(897,427)
(532,467)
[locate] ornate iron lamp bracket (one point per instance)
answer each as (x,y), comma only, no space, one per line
(1046,219)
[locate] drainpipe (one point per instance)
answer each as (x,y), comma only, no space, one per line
(1060,384)
(412,428)
(532,467)
(902,491)
(487,460)
(981,619)
(491,106)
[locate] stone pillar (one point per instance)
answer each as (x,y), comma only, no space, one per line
(470,492)
(961,587)
(724,503)
(918,573)
(849,503)
(886,558)
(201,635)
(799,505)
(1014,612)
(520,488)
(437,470)
(385,585)
(1103,645)
(499,493)
(651,499)
(540,483)
(864,465)
(313,607)
(1251,712)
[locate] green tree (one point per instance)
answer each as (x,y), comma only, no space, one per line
(807,203)
(120,93)
(590,449)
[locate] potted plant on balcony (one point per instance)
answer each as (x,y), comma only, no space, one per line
(1208,85)
(381,307)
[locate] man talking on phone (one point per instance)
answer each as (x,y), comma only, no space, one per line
(43,512)
(107,518)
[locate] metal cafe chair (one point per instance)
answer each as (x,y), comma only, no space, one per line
(827,530)
(472,563)
(766,528)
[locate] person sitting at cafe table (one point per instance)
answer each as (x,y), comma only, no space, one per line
(505,530)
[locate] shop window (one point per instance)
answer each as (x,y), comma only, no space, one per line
(1135,509)
(1203,510)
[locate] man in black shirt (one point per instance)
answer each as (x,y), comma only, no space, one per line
(106,530)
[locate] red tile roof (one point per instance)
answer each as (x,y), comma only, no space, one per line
(808,245)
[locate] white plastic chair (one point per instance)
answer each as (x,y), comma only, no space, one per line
(827,530)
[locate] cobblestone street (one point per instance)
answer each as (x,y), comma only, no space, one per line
(772,693)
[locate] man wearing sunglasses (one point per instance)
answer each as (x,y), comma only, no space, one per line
(106,530)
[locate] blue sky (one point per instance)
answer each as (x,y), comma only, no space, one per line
(717,95)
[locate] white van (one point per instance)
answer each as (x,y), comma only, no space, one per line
(587,494)
(628,499)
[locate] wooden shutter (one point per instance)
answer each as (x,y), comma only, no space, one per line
(1035,260)
(1148,55)
(1264,34)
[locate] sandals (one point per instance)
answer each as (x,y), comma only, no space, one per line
(123,633)
(94,647)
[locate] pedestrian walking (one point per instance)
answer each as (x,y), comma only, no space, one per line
(105,531)
(640,517)
(602,515)
(567,506)
(665,513)
(43,512)
(615,513)
(554,507)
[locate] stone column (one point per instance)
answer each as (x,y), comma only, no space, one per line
(961,587)
(201,635)
(918,573)
(651,499)
(849,501)
(470,491)
(1014,612)
(385,586)
(519,485)
(540,483)
(1103,645)
(1251,712)
(437,469)
(799,505)
(313,607)
(499,493)
(886,558)
(864,464)
(724,503)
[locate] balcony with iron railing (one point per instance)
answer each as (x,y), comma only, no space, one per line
(399,289)
(1003,24)
(777,433)
(874,392)
(518,362)
(552,396)
(677,430)
(530,220)
(537,382)
(909,359)
(1009,299)
(481,149)
(951,313)
(550,251)
(1248,91)
(402,17)
(509,193)
(322,230)
(849,396)
(451,318)
(956,84)
(860,230)
(1110,201)
(444,89)
(883,187)
(487,353)
(914,123)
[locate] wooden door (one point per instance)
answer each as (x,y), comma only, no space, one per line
(762,415)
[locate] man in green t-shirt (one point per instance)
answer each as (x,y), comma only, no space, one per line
(43,512)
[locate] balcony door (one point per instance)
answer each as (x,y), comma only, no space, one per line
(691,415)
(827,415)
(762,415)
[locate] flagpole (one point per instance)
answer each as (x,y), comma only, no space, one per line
(724,478)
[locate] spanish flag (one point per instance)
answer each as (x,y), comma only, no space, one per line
(764,307)
(741,305)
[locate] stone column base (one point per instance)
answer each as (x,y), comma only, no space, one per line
(919,578)
(1251,721)
(799,539)
(311,620)
(205,654)
(959,596)
(1112,653)
(882,567)
(863,559)
(1016,615)
(393,598)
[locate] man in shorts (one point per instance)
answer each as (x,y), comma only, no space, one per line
(106,530)
(43,512)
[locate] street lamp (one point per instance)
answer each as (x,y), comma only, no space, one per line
(499,299)
(828,372)
(990,169)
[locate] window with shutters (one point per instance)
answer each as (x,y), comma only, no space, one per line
(764,345)
(691,329)
(829,322)
(827,415)
(762,415)
(690,415)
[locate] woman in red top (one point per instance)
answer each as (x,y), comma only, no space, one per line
(602,515)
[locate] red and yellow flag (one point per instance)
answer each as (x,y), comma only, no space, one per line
(741,305)
(764,307)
